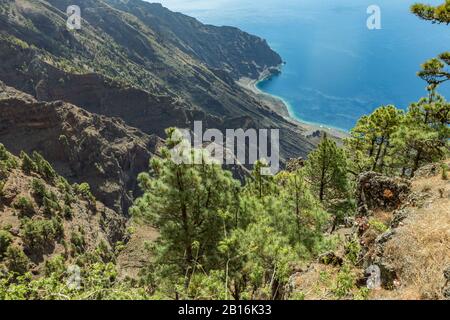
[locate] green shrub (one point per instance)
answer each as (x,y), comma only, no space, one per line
(2,186)
(54,265)
(5,241)
(4,154)
(16,260)
(378,226)
(444,167)
(352,250)
(58,226)
(362,294)
(7,161)
(104,252)
(44,168)
(63,140)
(69,198)
(84,190)
(78,242)
(3,170)
(67,212)
(345,282)
(63,185)
(99,282)
(28,164)
(66,190)
(6,227)
(25,207)
(39,190)
(37,234)
(50,207)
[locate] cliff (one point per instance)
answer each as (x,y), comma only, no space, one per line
(83,147)
(142,63)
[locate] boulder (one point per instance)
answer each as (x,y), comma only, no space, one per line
(375,191)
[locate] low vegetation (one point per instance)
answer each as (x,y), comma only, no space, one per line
(221,239)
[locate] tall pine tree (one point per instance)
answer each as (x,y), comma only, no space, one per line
(183,202)
(326,171)
(370,140)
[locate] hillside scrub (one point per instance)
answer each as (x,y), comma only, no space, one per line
(312,232)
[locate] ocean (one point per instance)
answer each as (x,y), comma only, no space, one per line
(336,68)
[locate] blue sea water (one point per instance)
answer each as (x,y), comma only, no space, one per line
(336,68)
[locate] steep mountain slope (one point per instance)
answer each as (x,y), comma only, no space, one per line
(225,48)
(82,147)
(140,62)
(43,217)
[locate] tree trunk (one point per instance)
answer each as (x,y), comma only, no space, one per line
(383,155)
(189,257)
(188,245)
(372,148)
(416,163)
(322,191)
(377,158)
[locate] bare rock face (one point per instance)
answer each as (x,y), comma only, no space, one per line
(155,69)
(82,147)
(223,48)
(376,191)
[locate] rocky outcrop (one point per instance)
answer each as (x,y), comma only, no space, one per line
(411,254)
(375,191)
(378,192)
(83,147)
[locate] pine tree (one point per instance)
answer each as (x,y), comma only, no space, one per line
(433,71)
(44,167)
(28,164)
(370,140)
(260,185)
(437,14)
(184,201)
(326,171)
(304,216)
(423,135)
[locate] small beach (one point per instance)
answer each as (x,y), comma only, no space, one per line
(337,69)
(278,105)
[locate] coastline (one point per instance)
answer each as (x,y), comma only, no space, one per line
(282,107)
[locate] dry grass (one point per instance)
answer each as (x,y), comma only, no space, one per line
(421,249)
(135,256)
(316,283)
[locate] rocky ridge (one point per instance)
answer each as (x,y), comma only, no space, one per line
(81,146)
